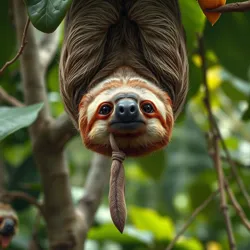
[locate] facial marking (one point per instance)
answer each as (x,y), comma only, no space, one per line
(141,93)
(153,135)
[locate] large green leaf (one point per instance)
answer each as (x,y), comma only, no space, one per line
(108,232)
(230,40)
(13,119)
(46,15)
(147,219)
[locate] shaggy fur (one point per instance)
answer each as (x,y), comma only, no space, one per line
(103,35)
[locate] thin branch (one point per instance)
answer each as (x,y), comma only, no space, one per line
(232,7)
(97,179)
(4,96)
(224,205)
(20,51)
(14,195)
(48,48)
(235,162)
(217,160)
(191,219)
(232,164)
(237,206)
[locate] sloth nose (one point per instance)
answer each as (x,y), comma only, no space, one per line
(127,110)
(8,228)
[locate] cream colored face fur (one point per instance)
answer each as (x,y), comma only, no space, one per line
(154,132)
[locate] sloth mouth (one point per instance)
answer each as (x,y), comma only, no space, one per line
(122,128)
(5,241)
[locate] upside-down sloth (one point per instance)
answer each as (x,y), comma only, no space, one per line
(124,79)
(124,70)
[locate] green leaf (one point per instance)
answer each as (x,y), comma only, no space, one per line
(147,219)
(13,119)
(230,41)
(193,20)
(109,232)
(46,15)
(153,165)
(188,244)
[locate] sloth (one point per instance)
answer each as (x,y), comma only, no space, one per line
(124,70)
(8,224)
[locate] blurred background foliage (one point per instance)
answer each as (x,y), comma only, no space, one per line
(164,188)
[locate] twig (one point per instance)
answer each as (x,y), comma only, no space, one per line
(191,219)
(48,48)
(20,51)
(232,7)
(224,205)
(232,164)
(217,160)
(237,206)
(13,195)
(9,99)
(235,162)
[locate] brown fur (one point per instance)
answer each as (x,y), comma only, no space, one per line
(103,35)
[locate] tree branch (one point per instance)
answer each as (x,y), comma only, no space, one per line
(59,211)
(48,48)
(232,164)
(96,181)
(191,219)
(224,205)
(237,206)
(14,195)
(20,51)
(4,96)
(62,130)
(32,78)
(217,160)
(232,7)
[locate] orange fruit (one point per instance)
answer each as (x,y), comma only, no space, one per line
(211,4)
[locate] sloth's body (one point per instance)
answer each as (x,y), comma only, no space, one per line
(124,71)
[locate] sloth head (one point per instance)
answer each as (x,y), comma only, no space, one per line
(136,112)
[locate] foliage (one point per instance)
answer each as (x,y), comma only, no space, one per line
(163,189)
(46,15)
(13,119)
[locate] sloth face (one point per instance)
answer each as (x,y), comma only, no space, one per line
(137,113)
(8,226)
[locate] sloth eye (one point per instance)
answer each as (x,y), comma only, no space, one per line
(148,108)
(105,109)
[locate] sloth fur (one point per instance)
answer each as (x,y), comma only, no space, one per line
(141,38)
